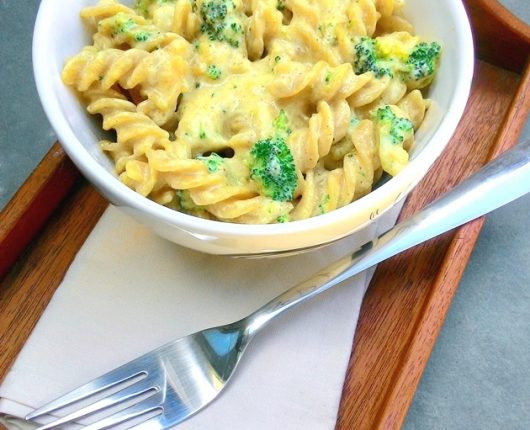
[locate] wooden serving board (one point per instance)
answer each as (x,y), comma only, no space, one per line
(48,220)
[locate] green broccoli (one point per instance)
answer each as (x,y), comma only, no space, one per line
(323,205)
(126,29)
(217,22)
(273,168)
(281,123)
(142,36)
(235,27)
(282,218)
(392,131)
(423,61)
(416,68)
(368,60)
(399,128)
(213,161)
(122,24)
(213,72)
(185,203)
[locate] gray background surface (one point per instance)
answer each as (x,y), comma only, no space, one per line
(478,376)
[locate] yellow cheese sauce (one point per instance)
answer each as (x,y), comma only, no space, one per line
(256,111)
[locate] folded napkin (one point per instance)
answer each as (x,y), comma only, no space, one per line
(129,291)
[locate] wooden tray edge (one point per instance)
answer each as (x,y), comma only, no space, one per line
(33,204)
(500,37)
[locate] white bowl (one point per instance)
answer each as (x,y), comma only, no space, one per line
(60,34)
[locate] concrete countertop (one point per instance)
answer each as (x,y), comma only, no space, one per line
(478,376)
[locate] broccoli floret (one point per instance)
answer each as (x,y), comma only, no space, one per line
(399,128)
(215,15)
(282,218)
(273,168)
(122,24)
(185,203)
(236,28)
(385,114)
(213,161)
(281,123)
(423,60)
(213,72)
(124,28)
(323,205)
(367,59)
(392,131)
(142,36)
(414,64)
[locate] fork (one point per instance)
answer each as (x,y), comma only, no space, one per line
(165,386)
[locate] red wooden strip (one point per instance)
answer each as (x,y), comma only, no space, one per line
(500,37)
(29,210)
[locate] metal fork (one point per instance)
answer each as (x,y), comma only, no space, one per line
(178,379)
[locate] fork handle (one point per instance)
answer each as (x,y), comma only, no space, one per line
(499,182)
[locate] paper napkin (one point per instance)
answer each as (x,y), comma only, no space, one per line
(129,291)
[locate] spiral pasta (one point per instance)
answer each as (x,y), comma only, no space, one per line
(161,75)
(254,111)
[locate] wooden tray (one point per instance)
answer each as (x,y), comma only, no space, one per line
(50,217)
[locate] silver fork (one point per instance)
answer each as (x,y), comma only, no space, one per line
(173,382)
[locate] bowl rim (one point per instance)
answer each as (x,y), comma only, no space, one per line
(110,185)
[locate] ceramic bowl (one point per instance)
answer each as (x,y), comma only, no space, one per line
(60,34)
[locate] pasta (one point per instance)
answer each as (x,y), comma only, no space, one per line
(254,111)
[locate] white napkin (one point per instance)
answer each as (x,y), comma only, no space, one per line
(128,292)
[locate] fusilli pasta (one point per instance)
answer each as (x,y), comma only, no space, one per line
(254,111)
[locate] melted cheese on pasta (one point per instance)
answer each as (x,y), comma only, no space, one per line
(253,111)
